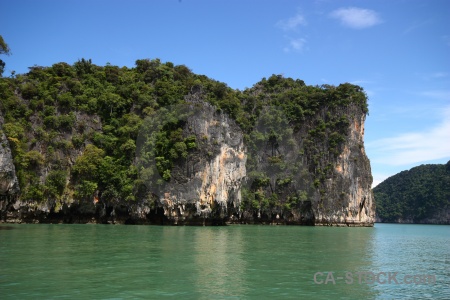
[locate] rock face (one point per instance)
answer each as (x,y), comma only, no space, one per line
(348,196)
(8,181)
(157,144)
(9,185)
(329,189)
(205,187)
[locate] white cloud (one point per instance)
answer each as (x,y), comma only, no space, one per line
(414,147)
(439,75)
(379,178)
(297,45)
(292,23)
(432,76)
(437,94)
(361,81)
(417,25)
(357,18)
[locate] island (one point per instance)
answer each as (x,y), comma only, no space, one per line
(159,144)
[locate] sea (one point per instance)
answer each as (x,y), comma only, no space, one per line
(62,261)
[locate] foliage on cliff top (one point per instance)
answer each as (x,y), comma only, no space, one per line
(417,194)
(4,49)
(81,121)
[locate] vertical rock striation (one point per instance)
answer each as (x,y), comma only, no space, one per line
(347,196)
(205,187)
(9,185)
(305,179)
(158,144)
(8,181)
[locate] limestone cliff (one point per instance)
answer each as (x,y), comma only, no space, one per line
(347,197)
(205,186)
(305,185)
(158,144)
(9,186)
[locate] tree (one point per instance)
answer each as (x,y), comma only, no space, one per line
(4,49)
(86,166)
(420,194)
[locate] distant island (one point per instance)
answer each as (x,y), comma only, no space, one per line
(420,195)
(159,144)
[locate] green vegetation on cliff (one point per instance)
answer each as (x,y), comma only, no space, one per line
(73,128)
(4,49)
(419,195)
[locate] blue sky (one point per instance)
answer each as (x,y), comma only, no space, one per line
(397,50)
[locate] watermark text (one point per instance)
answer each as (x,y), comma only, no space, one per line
(372,278)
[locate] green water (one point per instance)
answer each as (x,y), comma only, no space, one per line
(233,262)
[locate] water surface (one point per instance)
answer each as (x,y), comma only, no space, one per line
(40,261)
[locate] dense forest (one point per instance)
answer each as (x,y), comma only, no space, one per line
(419,195)
(73,129)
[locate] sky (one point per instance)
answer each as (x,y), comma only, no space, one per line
(397,50)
